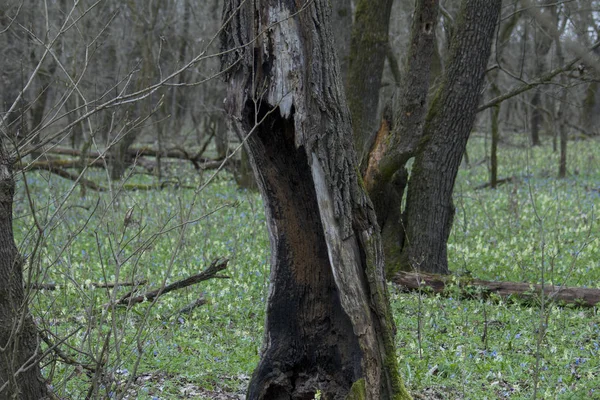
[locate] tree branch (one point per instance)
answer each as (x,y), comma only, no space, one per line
(210,272)
(540,81)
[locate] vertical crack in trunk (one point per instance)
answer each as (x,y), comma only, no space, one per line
(309,342)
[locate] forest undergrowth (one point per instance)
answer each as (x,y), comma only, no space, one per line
(534,228)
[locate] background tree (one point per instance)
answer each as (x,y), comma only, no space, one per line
(20,376)
(328,325)
(437,141)
(368,51)
(542,42)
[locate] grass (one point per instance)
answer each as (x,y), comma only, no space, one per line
(472,349)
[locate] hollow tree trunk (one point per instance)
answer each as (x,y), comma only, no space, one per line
(429,208)
(20,376)
(328,324)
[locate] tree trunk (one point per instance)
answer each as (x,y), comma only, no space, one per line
(562,128)
(386,175)
(341,20)
(495,122)
(328,326)
(429,208)
(504,35)
(418,239)
(543,42)
(368,51)
(20,376)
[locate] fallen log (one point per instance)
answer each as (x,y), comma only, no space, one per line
(133,153)
(469,287)
(211,272)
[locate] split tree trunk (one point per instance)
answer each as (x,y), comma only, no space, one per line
(20,376)
(328,326)
(437,141)
(396,142)
(429,208)
(341,21)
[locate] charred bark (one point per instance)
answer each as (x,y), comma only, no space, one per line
(328,324)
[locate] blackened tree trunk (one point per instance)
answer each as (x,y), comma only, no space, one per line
(429,208)
(328,326)
(368,50)
(20,376)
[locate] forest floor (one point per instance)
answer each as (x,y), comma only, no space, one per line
(534,228)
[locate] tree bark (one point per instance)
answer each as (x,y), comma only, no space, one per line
(429,208)
(368,51)
(386,175)
(328,326)
(20,376)
(418,238)
(342,26)
(562,128)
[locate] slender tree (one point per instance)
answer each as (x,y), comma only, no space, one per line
(20,376)
(328,327)
(543,42)
(504,34)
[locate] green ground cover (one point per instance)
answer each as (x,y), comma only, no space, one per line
(535,227)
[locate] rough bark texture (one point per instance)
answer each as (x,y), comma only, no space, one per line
(402,127)
(429,209)
(368,51)
(328,324)
(20,376)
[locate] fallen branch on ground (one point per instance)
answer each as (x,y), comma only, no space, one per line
(498,182)
(468,287)
(190,307)
(211,272)
(95,285)
(199,162)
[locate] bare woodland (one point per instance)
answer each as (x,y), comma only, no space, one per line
(350,118)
